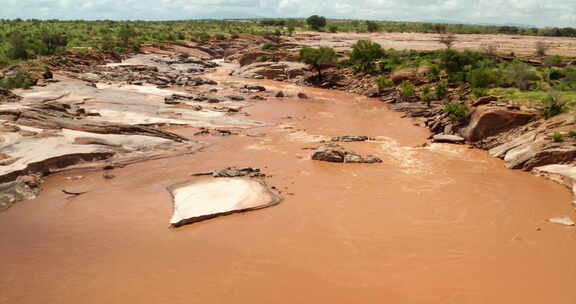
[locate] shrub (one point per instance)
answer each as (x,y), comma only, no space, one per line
(319,59)
(551,61)
(372,26)
(316,22)
(407,90)
(572,133)
(333,28)
(20,80)
(479,92)
(383,83)
(520,75)
(17,47)
(480,78)
(553,105)
(456,111)
(269,46)
(426,94)
(557,137)
(364,55)
(441,90)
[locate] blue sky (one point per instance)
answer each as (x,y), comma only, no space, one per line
(560,13)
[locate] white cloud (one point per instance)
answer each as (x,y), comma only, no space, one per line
(535,12)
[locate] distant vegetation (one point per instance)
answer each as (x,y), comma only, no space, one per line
(26,39)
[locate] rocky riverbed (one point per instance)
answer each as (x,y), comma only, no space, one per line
(123,151)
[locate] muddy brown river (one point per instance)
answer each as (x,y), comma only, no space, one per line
(441,224)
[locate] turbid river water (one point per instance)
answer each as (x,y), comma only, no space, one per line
(442,224)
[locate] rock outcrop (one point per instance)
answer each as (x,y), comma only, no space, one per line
(486,122)
(205,199)
(271,70)
(337,154)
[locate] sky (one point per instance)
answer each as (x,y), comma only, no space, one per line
(558,13)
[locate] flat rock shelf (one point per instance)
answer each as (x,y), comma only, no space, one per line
(209,198)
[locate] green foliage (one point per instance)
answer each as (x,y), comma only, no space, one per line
(479,92)
(456,62)
(551,61)
(572,133)
(407,90)
(426,94)
(553,105)
(456,111)
(316,22)
(20,80)
(364,55)
(481,78)
(333,28)
(383,82)
(319,59)
(557,137)
(520,75)
(441,90)
(372,26)
(269,46)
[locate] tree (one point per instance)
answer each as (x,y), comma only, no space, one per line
(372,26)
(364,55)
(447,40)
(319,59)
(316,22)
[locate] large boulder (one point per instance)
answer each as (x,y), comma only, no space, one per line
(271,70)
(486,122)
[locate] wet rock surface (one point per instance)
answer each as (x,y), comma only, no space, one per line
(234,172)
(201,200)
(338,154)
(350,138)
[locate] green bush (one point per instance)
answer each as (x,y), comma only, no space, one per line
(572,133)
(481,78)
(383,82)
(520,75)
(364,55)
(441,90)
(333,28)
(426,94)
(479,92)
(20,80)
(269,46)
(372,26)
(456,111)
(319,59)
(316,22)
(407,90)
(557,137)
(553,105)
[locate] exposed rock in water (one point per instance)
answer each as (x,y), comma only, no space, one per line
(201,200)
(214,132)
(23,188)
(350,138)
(564,220)
(302,96)
(280,94)
(234,172)
(563,174)
(255,88)
(452,139)
(337,154)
